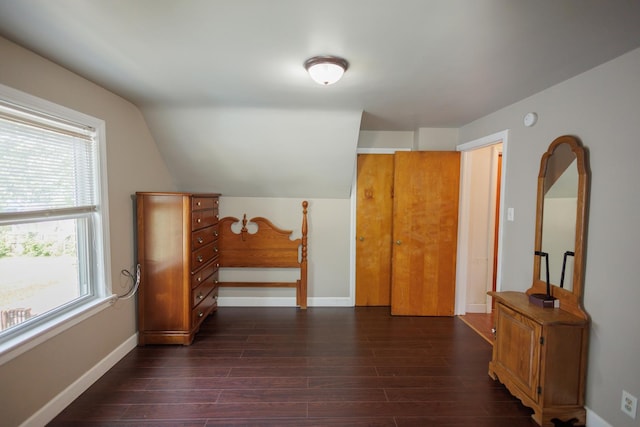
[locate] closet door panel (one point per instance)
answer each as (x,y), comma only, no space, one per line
(425,232)
(374,206)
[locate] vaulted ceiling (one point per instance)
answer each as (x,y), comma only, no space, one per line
(231,65)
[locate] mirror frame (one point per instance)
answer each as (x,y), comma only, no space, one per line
(570,300)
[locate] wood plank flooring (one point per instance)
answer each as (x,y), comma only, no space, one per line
(319,367)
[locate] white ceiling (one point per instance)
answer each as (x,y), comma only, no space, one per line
(223,90)
(413,63)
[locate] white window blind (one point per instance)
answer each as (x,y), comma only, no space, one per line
(46,164)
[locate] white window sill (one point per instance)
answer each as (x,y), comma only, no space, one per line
(24,342)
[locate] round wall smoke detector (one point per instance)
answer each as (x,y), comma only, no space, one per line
(530,119)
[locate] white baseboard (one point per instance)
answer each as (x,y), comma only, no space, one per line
(282,302)
(594,420)
(68,395)
(330,302)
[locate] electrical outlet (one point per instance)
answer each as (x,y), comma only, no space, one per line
(629,404)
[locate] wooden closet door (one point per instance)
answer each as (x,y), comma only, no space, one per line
(425,233)
(374,206)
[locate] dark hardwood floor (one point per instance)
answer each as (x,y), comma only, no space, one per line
(320,367)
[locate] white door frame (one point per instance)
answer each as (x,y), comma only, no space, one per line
(464,212)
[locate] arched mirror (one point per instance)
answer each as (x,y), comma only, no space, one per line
(561,223)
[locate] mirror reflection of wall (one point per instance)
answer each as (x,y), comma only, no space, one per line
(559,216)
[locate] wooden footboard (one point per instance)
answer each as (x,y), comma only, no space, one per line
(268,247)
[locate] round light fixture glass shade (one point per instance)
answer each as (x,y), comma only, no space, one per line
(326,70)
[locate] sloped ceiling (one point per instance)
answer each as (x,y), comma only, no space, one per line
(259,152)
(236,66)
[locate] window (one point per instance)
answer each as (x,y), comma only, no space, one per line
(53,247)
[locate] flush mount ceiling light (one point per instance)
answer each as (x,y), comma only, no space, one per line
(326,70)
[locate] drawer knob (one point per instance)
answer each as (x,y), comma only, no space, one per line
(200,296)
(200,240)
(215,233)
(200,258)
(215,281)
(200,314)
(198,203)
(198,220)
(215,297)
(199,279)
(217,216)
(215,249)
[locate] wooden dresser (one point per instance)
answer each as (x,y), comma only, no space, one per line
(540,356)
(178,255)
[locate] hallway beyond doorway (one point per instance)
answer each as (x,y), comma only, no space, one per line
(482,323)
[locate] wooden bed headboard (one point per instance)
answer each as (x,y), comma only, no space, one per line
(268,247)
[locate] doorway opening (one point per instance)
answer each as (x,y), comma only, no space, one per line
(482,187)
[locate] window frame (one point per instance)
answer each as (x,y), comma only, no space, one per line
(97,236)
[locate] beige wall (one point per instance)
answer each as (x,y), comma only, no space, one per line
(601,107)
(36,377)
(376,140)
(436,139)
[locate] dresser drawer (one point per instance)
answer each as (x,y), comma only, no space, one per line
(199,203)
(202,219)
(201,292)
(203,309)
(203,256)
(203,274)
(204,236)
